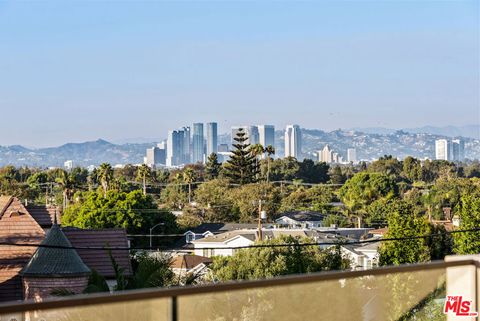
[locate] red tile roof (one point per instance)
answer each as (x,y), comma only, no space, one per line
(189,262)
(17,227)
(44,215)
(99,260)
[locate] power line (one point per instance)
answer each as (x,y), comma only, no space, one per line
(333,243)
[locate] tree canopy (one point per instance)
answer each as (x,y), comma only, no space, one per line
(266,262)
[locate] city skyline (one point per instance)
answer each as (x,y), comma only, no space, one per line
(395,64)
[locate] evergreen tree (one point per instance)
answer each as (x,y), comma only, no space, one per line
(240,168)
(212,168)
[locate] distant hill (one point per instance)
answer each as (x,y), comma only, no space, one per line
(372,146)
(83,154)
(470,131)
(368,145)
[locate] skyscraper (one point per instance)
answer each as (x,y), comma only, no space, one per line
(253,136)
(155,156)
(175,148)
(442,149)
(186,155)
(326,155)
(352,155)
(293,141)
(266,135)
(458,150)
(212,143)
(198,143)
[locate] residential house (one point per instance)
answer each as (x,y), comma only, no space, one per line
(209,229)
(363,256)
(18,226)
(99,260)
(226,244)
(194,265)
(52,269)
(45,215)
(300,219)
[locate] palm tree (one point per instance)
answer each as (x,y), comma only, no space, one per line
(143,173)
(105,175)
(270,150)
(67,183)
(189,176)
(256,151)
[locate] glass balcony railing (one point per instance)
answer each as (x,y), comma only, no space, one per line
(411,292)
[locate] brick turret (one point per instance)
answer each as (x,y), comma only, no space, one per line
(51,269)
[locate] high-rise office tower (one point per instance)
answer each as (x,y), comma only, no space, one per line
(458,150)
(325,155)
(352,155)
(175,148)
(266,135)
(253,136)
(186,154)
(197,143)
(442,149)
(212,143)
(155,156)
(293,141)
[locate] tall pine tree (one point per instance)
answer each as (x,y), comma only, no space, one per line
(212,167)
(240,168)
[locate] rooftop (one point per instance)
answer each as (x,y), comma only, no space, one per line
(303,216)
(51,261)
(100,260)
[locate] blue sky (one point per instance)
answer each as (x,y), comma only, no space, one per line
(76,71)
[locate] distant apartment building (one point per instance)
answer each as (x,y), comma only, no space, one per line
(329,156)
(293,141)
(155,156)
(453,150)
(175,149)
(212,139)
(266,135)
(68,165)
(198,148)
(442,149)
(352,155)
(325,155)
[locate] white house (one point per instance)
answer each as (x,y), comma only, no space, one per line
(362,257)
(225,244)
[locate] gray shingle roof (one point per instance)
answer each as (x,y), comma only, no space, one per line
(55,262)
(303,216)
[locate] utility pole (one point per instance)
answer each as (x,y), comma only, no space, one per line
(260,236)
(262,215)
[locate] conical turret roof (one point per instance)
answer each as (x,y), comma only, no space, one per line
(55,262)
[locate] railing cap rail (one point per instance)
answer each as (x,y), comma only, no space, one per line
(156,293)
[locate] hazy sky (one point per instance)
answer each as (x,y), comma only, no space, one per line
(76,71)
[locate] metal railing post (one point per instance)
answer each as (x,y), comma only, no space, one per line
(173,309)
